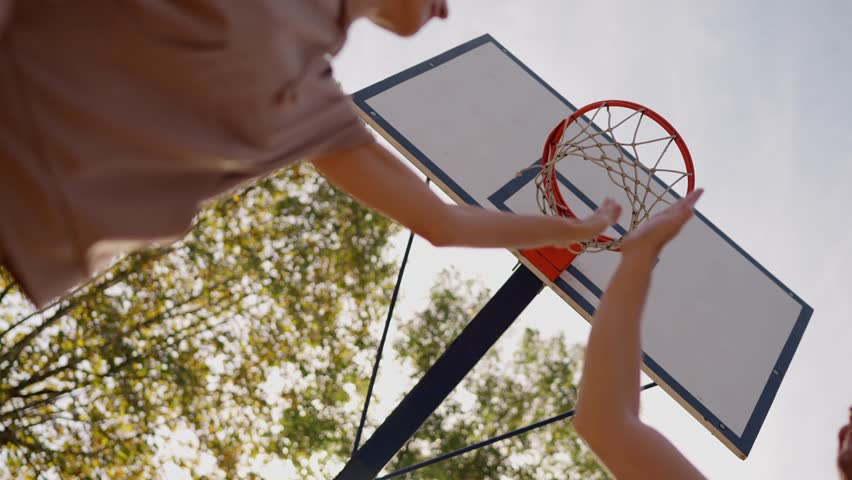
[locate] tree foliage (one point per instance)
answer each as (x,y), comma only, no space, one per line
(251,341)
(177,343)
(507,390)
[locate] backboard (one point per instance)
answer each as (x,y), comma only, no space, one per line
(720,330)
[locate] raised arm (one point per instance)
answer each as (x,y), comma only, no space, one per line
(608,404)
(375,177)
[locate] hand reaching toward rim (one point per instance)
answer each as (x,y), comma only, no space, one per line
(590,227)
(650,237)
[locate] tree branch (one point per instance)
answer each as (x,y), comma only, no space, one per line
(18,411)
(14,391)
(44,391)
(8,289)
(177,340)
(11,355)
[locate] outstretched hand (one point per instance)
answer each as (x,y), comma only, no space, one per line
(650,237)
(590,227)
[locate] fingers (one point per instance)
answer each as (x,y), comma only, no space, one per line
(691,198)
(606,214)
(683,209)
(609,211)
(686,204)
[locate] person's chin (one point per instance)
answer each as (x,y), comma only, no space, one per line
(407,29)
(403,29)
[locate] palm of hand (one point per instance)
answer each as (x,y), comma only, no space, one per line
(604,216)
(657,231)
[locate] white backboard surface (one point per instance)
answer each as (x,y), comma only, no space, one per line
(719,329)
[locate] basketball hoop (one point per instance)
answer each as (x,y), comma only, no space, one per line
(631,131)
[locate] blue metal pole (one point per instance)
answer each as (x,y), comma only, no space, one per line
(445,374)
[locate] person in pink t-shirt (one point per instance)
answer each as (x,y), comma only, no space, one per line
(119,118)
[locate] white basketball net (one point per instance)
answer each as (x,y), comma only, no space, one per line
(633,176)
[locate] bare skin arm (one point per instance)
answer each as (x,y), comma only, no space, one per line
(608,405)
(375,177)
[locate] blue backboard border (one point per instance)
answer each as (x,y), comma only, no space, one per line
(743,444)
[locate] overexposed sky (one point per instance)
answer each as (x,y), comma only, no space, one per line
(762,96)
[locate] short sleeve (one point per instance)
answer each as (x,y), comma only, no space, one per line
(320,117)
(346,129)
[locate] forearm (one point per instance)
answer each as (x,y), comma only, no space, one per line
(609,386)
(608,405)
(375,177)
(477,227)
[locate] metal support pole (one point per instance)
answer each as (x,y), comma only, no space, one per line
(445,374)
(485,443)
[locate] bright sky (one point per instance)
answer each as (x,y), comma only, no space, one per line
(762,96)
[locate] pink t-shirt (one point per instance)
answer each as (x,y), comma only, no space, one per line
(119,118)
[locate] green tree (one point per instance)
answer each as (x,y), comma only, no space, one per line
(177,344)
(505,391)
(251,341)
